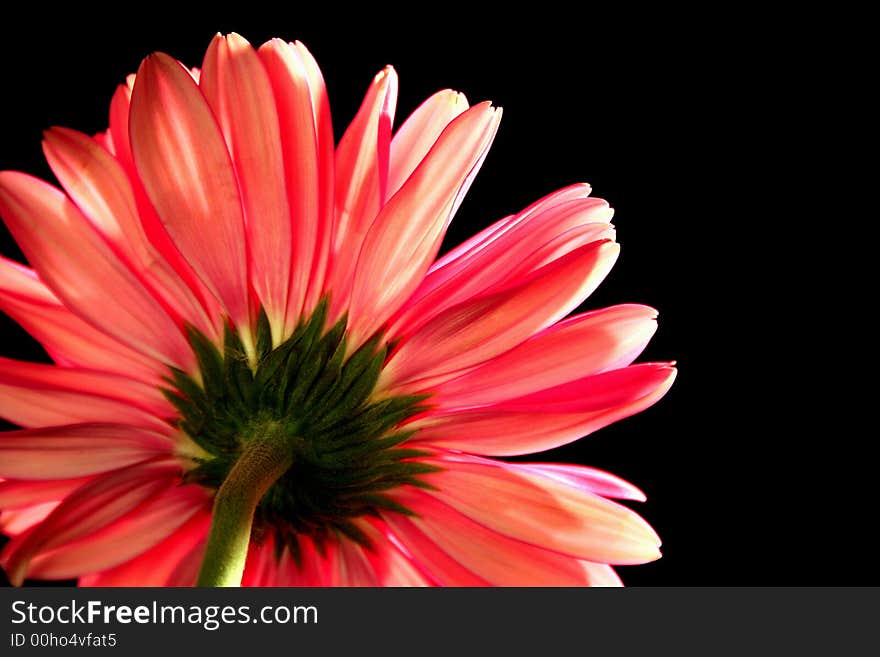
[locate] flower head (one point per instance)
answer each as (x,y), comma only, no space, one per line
(262,372)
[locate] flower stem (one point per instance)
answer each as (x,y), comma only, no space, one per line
(265,457)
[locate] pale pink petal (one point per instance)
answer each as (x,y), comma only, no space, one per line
(476,330)
(81,269)
(588,479)
(361,165)
(543,511)
(389,560)
(239,91)
(498,559)
(70,341)
(76,450)
(155,566)
(306,141)
(15,493)
(89,509)
(600,574)
(417,135)
(120,108)
(439,272)
(100,187)
(15,522)
(405,237)
(579,346)
(508,428)
(187,172)
(95,389)
(433,562)
(128,537)
(305,174)
(534,238)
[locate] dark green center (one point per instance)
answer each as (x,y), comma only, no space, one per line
(320,403)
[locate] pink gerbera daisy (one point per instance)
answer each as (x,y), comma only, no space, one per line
(263,376)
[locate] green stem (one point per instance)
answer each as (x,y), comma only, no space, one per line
(265,457)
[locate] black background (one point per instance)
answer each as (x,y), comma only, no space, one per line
(675,120)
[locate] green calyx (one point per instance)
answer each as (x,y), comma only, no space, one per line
(317,404)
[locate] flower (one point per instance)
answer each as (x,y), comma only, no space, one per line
(261,372)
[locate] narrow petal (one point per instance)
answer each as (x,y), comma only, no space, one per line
(16,493)
(128,537)
(600,574)
(432,560)
(32,378)
(306,140)
(80,268)
(388,558)
(543,511)
(476,330)
(76,450)
(15,522)
(531,240)
(418,133)
(352,566)
(498,559)
(182,159)
(101,189)
(120,109)
(405,237)
(304,172)
(530,425)
(94,506)
(155,566)
(487,236)
(69,340)
(239,91)
(362,160)
(572,349)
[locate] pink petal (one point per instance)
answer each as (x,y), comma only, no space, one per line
(69,340)
(362,160)
(543,511)
(405,237)
(15,493)
(534,238)
(155,566)
(588,479)
(498,559)
(120,108)
(432,560)
(16,522)
(418,133)
(352,566)
(476,330)
(239,91)
(187,172)
(388,559)
(76,450)
(128,537)
(579,346)
(78,394)
(80,268)
(599,574)
(100,187)
(523,426)
(306,137)
(96,505)
(487,236)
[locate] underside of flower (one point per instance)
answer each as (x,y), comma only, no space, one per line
(310,403)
